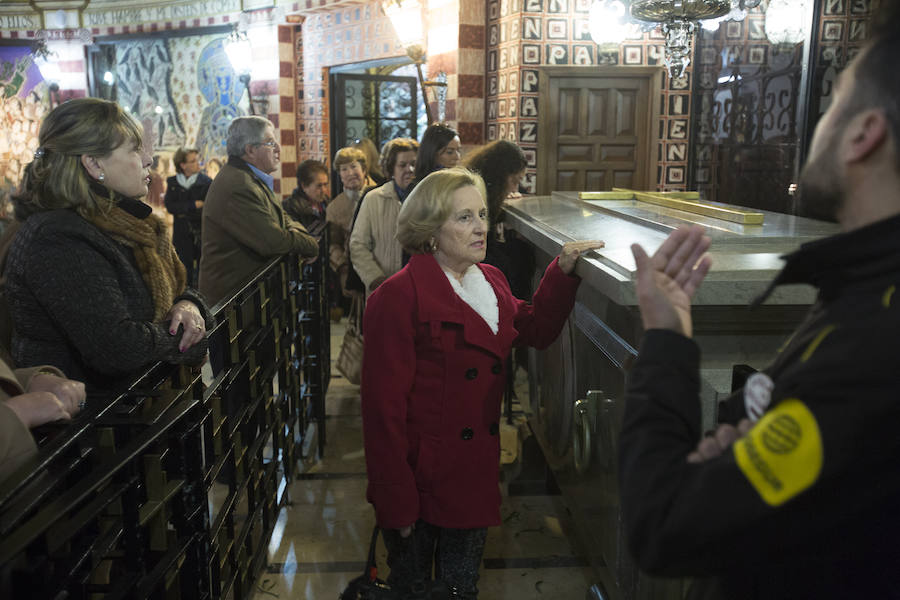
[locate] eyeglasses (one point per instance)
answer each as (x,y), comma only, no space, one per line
(270,143)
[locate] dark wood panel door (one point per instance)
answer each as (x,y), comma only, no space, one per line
(596,129)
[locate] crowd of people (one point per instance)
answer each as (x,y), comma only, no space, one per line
(791,497)
(413,217)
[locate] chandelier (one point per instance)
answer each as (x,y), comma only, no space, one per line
(677,18)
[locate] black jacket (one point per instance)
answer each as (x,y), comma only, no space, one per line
(78,302)
(186,227)
(806,506)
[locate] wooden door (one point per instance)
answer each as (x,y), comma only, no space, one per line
(597,129)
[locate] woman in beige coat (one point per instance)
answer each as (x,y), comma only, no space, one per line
(374,250)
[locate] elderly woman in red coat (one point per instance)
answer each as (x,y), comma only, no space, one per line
(437,336)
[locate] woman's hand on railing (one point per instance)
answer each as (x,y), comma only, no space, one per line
(37,408)
(572,251)
(186,314)
(68,391)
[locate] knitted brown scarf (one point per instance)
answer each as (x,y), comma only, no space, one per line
(148,238)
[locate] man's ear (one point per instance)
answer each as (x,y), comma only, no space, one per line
(91,165)
(867,132)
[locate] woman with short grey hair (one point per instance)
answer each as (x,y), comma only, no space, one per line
(437,337)
(374,250)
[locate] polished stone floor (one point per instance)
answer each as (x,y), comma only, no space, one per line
(321,539)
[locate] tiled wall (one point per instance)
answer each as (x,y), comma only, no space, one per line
(456,47)
(286,123)
(523,35)
(362,33)
(843,29)
(343,36)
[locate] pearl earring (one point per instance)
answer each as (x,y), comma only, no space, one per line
(101,178)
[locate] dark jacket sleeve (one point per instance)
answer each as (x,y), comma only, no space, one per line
(764,498)
(79,289)
(194,296)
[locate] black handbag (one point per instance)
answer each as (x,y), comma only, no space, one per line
(369,587)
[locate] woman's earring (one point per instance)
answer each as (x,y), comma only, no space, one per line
(102,177)
(432,245)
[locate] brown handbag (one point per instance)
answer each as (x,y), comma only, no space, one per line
(349,362)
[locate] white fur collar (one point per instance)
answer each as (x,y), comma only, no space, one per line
(477,293)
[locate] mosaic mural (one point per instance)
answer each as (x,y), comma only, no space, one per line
(221,90)
(21,110)
(143,72)
(185,86)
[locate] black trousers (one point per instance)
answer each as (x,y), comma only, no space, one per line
(450,555)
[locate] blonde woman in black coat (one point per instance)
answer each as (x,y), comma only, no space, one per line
(93,283)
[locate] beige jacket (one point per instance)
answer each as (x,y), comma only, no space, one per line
(16,443)
(244,227)
(374,249)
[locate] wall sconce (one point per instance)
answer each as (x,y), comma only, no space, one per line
(406,17)
(237,49)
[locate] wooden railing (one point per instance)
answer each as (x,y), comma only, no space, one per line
(172,489)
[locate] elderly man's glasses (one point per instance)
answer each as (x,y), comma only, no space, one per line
(270,144)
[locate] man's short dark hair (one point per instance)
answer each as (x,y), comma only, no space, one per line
(307,170)
(876,83)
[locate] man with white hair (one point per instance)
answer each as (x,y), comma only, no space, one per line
(244,225)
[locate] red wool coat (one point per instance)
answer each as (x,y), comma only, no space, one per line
(432,383)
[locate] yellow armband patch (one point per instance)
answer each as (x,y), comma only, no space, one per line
(782,455)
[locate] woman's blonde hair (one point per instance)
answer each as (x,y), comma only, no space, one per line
(56,178)
(429,206)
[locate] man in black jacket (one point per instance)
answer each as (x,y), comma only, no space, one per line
(797,495)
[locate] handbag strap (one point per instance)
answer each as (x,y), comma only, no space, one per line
(356,312)
(371,569)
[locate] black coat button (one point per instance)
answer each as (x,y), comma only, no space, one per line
(496,368)
(494,429)
(471,373)
(467,433)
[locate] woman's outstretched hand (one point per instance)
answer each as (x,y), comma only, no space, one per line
(667,281)
(572,251)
